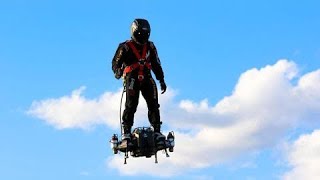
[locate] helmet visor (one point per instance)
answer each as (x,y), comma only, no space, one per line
(141,36)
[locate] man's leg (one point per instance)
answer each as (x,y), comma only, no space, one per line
(132,100)
(150,94)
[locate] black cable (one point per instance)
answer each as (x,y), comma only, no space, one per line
(124,90)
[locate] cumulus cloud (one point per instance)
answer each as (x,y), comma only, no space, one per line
(264,105)
(77,111)
(304,157)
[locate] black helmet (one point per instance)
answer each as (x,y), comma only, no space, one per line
(140,31)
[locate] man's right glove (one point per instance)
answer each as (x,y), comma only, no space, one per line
(118,73)
(163,86)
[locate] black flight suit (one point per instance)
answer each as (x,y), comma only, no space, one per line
(125,57)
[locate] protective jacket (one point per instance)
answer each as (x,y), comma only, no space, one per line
(125,57)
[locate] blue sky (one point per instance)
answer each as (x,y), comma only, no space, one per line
(243,79)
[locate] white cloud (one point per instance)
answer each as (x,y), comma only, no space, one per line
(263,106)
(304,157)
(308,89)
(77,111)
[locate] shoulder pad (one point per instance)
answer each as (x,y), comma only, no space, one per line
(151,44)
(124,45)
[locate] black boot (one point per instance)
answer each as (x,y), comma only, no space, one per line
(126,133)
(126,138)
(158,136)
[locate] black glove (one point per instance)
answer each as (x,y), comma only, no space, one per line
(163,86)
(118,73)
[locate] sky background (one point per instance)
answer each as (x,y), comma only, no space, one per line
(243,96)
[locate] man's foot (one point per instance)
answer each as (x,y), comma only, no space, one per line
(126,136)
(125,141)
(159,140)
(159,136)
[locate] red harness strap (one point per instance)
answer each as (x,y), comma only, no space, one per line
(141,63)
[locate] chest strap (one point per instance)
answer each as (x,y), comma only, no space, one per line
(141,63)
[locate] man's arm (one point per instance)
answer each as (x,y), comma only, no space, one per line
(156,67)
(155,63)
(118,61)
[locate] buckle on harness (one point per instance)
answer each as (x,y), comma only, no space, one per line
(140,77)
(142,61)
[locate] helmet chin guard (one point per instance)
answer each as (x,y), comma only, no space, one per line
(140,31)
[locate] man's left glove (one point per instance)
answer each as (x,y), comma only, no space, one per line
(118,73)
(163,86)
